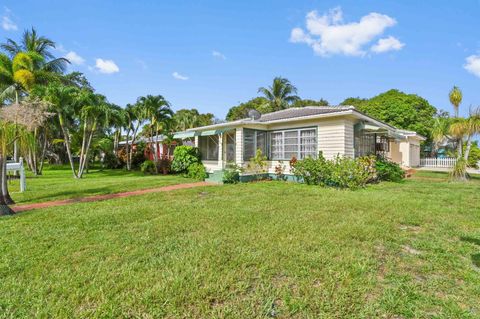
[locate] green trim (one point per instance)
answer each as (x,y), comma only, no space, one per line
(182,135)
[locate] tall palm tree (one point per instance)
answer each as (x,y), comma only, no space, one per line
(455,97)
(17,75)
(32,42)
(62,100)
(281,93)
(440,131)
(158,111)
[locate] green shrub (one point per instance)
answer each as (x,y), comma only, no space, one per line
(183,157)
(231,174)
(257,165)
(111,161)
(348,173)
(313,171)
(148,167)
(197,171)
(345,172)
(388,170)
(138,156)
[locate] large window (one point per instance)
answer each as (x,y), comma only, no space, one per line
(253,140)
(299,143)
(208,146)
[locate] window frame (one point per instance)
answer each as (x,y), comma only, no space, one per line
(298,144)
(208,141)
(255,144)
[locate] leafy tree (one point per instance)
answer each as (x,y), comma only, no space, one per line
(307,102)
(188,118)
(158,111)
(281,94)
(405,111)
(240,111)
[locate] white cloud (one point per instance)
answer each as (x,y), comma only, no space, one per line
(472,64)
(178,76)
(218,55)
(328,34)
(7,23)
(106,66)
(387,44)
(74,58)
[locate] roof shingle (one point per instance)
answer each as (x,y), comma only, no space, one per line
(301,112)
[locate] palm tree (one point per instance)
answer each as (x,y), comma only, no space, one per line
(455,97)
(440,131)
(32,42)
(281,94)
(17,75)
(135,117)
(158,111)
(62,99)
(94,111)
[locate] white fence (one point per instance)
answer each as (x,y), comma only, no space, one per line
(438,162)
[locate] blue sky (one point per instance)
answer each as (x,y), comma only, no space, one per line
(214,54)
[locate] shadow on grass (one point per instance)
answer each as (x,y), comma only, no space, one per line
(475,257)
(73,194)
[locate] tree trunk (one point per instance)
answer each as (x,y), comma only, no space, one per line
(42,155)
(4,208)
(459,148)
(5,198)
(66,142)
(467,149)
(88,141)
(130,153)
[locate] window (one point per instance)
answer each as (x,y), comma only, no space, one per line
(253,140)
(300,143)
(208,146)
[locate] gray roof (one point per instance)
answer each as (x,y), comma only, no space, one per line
(295,112)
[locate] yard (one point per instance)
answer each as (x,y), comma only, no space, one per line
(57,183)
(267,249)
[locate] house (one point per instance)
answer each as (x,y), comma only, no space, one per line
(159,145)
(302,132)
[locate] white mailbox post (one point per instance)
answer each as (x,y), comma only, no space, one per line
(19,167)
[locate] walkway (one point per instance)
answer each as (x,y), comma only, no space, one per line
(95,198)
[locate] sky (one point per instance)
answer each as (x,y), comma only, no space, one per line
(212,55)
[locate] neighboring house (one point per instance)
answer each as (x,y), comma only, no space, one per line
(163,149)
(302,132)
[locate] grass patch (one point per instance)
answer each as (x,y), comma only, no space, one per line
(58,183)
(267,249)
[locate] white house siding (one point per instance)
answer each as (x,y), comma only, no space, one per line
(335,137)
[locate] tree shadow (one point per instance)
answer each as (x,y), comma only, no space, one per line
(475,241)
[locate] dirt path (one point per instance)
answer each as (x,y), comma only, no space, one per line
(95,198)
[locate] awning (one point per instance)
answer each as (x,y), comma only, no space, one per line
(215,132)
(182,135)
(367,127)
(189,134)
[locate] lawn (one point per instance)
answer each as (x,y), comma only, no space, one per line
(58,183)
(267,249)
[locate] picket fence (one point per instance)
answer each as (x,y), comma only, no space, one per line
(438,162)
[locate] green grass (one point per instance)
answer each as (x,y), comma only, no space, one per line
(393,250)
(56,183)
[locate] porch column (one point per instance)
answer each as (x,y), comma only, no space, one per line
(239,146)
(220,150)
